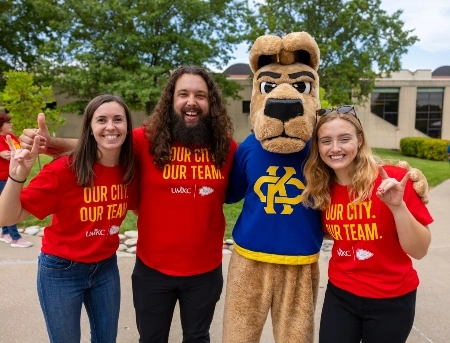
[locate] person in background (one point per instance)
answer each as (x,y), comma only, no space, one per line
(184,151)
(448,153)
(9,234)
(377,222)
(88,191)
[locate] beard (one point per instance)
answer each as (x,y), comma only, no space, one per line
(200,134)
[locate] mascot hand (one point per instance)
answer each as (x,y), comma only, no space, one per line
(419,180)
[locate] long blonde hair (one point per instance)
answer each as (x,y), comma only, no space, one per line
(320,177)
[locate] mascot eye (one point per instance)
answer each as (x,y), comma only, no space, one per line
(267,87)
(302,87)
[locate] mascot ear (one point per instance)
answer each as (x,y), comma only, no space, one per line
(304,57)
(294,47)
(300,47)
(265,60)
(419,181)
(264,51)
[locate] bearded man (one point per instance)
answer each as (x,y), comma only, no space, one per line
(184,151)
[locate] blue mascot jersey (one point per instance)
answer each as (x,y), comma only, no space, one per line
(273,226)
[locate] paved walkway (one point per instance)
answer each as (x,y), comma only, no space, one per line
(22,321)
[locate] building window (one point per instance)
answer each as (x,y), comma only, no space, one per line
(245,106)
(384,104)
(429,111)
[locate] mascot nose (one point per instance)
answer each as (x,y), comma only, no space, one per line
(283,109)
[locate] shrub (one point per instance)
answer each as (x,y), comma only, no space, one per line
(426,148)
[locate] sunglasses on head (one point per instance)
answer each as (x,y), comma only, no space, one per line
(344,109)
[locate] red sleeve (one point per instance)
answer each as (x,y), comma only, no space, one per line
(133,192)
(412,200)
(139,142)
(40,196)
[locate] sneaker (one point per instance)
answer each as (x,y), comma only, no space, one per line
(6,238)
(21,243)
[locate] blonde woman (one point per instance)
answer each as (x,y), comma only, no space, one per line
(377,222)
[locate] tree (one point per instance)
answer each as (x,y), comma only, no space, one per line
(25,26)
(129,47)
(24,100)
(324,103)
(355,38)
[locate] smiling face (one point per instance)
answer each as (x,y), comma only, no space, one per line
(190,100)
(109,128)
(338,144)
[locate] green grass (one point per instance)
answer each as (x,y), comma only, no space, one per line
(232,212)
(435,172)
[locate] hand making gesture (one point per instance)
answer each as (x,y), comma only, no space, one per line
(28,135)
(391,191)
(22,160)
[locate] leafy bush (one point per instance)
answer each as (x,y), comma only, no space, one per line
(423,147)
(24,100)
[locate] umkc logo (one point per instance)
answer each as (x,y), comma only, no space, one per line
(181,190)
(276,190)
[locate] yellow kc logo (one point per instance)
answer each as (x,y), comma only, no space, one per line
(276,190)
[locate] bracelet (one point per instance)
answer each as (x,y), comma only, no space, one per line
(16,180)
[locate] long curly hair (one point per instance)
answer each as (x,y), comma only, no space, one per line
(320,177)
(158,125)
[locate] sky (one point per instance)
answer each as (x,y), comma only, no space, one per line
(430,20)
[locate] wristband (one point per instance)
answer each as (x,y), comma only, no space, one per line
(16,180)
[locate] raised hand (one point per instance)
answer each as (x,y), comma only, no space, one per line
(27,136)
(22,160)
(391,191)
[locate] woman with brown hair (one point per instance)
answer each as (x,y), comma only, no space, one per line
(88,192)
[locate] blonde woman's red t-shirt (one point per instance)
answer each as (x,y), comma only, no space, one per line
(4,163)
(86,220)
(367,259)
(181,222)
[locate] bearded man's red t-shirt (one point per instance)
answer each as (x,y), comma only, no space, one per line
(181,221)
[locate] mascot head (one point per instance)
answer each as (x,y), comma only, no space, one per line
(285,91)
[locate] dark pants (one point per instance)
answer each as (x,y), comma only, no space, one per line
(155,295)
(347,318)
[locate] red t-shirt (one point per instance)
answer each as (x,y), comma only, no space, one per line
(4,164)
(181,222)
(367,259)
(86,220)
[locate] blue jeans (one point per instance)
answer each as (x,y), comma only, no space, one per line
(12,229)
(63,286)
